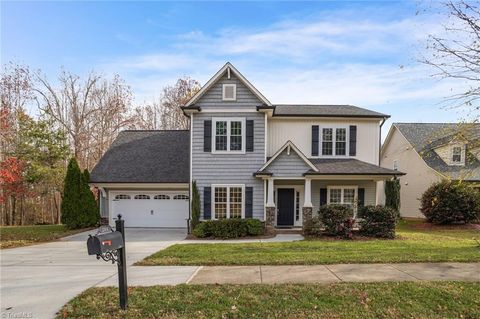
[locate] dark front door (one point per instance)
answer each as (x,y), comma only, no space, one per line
(285,207)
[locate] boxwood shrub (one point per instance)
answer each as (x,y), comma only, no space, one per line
(229,228)
(377,221)
(449,202)
(337,219)
(313,227)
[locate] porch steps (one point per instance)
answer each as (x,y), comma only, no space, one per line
(288,231)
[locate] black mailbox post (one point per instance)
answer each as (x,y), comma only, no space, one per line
(110,246)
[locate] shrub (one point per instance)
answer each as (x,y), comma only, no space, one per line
(229,228)
(195,206)
(449,202)
(337,219)
(378,221)
(392,195)
(313,227)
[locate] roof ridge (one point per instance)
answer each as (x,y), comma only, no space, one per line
(134,130)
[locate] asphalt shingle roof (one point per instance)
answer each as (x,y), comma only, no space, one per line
(425,137)
(145,157)
(348,166)
(324,110)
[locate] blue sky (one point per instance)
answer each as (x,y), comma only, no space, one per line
(360,53)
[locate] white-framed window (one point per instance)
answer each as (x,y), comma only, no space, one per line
(122,196)
(162,197)
(395,165)
(142,196)
(344,195)
(228,135)
(180,196)
(457,154)
(228,201)
(334,141)
(229,92)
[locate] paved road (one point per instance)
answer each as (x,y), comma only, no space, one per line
(37,280)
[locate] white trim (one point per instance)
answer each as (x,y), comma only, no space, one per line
(141,185)
(103,192)
(224,87)
(266,137)
(229,120)
(299,153)
(228,110)
(296,188)
(228,186)
(217,76)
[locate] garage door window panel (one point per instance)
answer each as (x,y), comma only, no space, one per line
(122,196)
(142,196)
(162,197)
(180,197)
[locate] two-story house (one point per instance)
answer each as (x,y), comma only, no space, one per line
(249,159)
(428,153)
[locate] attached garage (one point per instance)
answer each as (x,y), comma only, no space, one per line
(150,208)
(144,176)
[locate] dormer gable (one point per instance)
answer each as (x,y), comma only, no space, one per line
(453,153)
(228,88)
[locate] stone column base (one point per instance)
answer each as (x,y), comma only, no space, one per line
(307,216)
(270,220)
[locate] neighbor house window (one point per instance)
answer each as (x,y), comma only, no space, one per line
(344,195)
(228,201)
(457,154)
(229,92)
(395,165)
(142,196)
(334,141)
(229,135)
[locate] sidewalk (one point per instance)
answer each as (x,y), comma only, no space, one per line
(173,275)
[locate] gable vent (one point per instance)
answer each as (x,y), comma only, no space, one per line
(229,92)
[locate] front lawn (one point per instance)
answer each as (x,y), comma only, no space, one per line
(415,243)
(16,236)
(342,300)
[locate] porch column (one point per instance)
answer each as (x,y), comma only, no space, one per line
(307,209)
(270,209)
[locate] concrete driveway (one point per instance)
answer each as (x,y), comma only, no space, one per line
(37,280)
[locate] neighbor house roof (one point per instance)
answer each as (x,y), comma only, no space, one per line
(324,111)
(426,137)
(145,157)
(348,166)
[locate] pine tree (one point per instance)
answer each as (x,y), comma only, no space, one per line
(71,202)
(392,195)
(90,207)
(195,206)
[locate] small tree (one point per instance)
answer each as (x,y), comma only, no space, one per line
(71,201)
(195,205)
(392,195)
(90,209)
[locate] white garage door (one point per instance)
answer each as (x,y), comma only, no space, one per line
(151,209)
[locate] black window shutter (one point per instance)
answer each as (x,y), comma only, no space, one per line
(315,136)
(207,203)
(249,135)
(361,197)
(248,202)
(323,196)
(207,136)
(353,140)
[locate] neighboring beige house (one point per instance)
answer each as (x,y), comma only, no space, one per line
(429,152)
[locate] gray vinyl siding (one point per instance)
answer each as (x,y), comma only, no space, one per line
(288,165)
(370,190)
(208,168)
(213,97)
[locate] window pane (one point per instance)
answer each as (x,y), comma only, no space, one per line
(457,154)
(327,144)
(236,136)
(335,195)
(348,196)
(235,202)
(297,206)
(221,136)
(341,141)
(220,202)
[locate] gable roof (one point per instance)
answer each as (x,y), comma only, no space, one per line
(325,111)
(280,150)
(348,166)
(145,157)
(228,67)
(426,137)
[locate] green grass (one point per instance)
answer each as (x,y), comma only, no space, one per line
(16,236)
(414,244)
(342,300)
